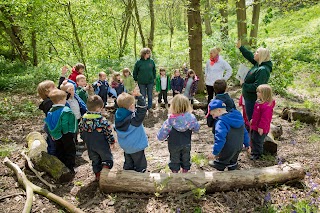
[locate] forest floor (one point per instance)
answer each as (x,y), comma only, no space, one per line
(299,143)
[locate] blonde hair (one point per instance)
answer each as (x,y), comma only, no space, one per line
(266,92)
(80,77)
(115,75)
(180,104)
(57,95)
(43,88)
(125,100)
(65,87)
(264,55)
(126,70)
(215,50)
(101,74)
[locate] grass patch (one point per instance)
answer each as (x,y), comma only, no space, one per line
(199,159)
(314,138)
(268,157)
(6,149)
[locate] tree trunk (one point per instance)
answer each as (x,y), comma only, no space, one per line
(152,23)
(75,33)
(125,28)
(34,48)
(255,23)
(223,9)
(139,23)
(207,22)
(131,181)
(302,115)
(43,161)
(195,40)
(242,21)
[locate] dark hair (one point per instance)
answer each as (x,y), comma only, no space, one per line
(79,66)
(162,69)
(145,51)
(190,71)
(220,86)
(94,102)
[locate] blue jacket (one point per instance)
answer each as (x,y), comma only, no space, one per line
(225,123)
(131,135)
(110,91)
(177,84)
(82,105)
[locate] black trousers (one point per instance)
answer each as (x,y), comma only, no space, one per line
(136,161)
(66,150)
(179,157)
(210,92)
(257,141)
(163,94)
(100,154)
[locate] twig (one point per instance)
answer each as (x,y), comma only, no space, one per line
(31,188)
(12,195)
(30,165)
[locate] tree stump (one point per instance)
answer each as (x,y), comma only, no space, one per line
(43,161)
(270,146)
(131,181)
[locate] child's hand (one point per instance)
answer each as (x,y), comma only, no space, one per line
(112,146)
(193,94)
(86,88)
(176,91)
(241,82)
(98,84)
(64,82)
(250,122)
(64,70)
(260,131)
(211,156)
(136,92)
(249,150)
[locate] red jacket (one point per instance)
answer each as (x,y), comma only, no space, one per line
(262,116)
(74,74)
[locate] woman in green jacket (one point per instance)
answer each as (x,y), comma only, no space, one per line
(257,75)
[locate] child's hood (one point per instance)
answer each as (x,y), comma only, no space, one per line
(272,104)
(182,122)
(233,118)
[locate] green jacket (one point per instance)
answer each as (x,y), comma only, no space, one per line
(82,94)
(128,83)
(61,120)
(144,71)
(158,83)
(257,75)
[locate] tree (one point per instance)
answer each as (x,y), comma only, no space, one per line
(206,17)
(195,40)
(223,9)
(125,26)
(241,20)
(151,35)
(139,23)
(255,22)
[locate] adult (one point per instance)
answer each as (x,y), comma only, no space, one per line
(145,73)
(216,68)
(257,75)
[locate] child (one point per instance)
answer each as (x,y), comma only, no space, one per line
(78,69)
(44,88)
(101,88)
(177,83)
(97,134)
(131,135)
(220,87)
(261,119)
(62,126)
(244,114)
(163,86)
(191,85)
(128,80)
(229,137)
(83,87)
(178,129)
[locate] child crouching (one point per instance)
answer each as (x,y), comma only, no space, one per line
(178,129)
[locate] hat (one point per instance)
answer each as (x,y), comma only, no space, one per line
(215,104)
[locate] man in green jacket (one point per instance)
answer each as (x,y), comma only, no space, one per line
(145,73)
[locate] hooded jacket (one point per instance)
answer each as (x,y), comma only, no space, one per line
(194,85)
(225,124)
(178,129)
(144,71)
(262,116)
(131,135)
(60,120)
(257,75)
(158,83)
(74,74)
(177,83)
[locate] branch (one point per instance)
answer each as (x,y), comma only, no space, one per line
(12,195)
(30,188)
(30,165)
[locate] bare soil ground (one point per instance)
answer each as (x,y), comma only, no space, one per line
(299,143)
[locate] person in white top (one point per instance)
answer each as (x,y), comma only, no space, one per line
(216,68)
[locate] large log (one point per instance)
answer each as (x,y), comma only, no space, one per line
(43,161)
(131,181)
(270,146)
(303,115)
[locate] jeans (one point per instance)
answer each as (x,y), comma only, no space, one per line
(249,104)
(51,149)
(146,90)
(163,94)
(100,154)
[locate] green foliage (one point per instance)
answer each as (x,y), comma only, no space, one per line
(301,206)
(269,208)
(6,149)
(298,125)
(199,193)
(199,159)
(314,138)
(197,210)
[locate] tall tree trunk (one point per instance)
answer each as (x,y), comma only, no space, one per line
(135,39)
(207,23)
(223,9)
(242,21)
(152,22)
(125,28)
(171,21)
(139,23)
(195,40)
(75,33)
(255,22)
(34,48)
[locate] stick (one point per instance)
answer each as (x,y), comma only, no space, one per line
(30,188)
(30,165)
(12,195)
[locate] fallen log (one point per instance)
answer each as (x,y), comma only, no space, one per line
(270,146)
(303,115)
(31,188)
(43,161)
(131,181)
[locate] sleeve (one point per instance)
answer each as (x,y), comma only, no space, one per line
(135,71)
(171,84)
(246,138)
(261,77)
(140,113)
(265,119)
(61,79)
(256,114)
(195,124)
(69,123)
(181,85)
(221,131)
(107,130)
(164,131)
(195,86)
(206,69)
(154,70)
(96,88)
(228,69)
(247,54)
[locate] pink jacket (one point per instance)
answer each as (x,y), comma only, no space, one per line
(262,116)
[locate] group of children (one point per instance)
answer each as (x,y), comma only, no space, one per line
(72,109)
